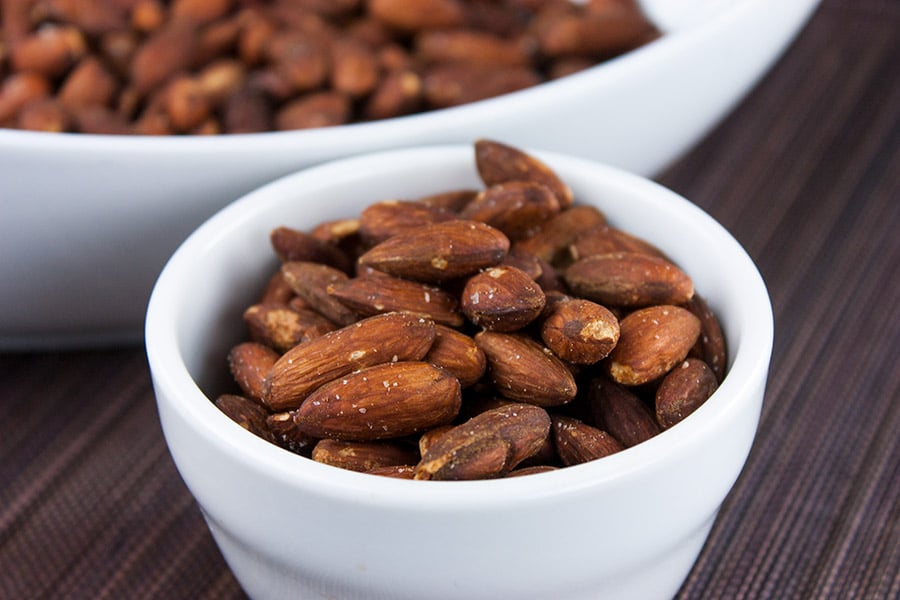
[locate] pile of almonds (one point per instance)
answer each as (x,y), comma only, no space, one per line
(472,334)
(161,67)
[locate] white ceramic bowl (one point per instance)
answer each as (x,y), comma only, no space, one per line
(87,221)
(626,526)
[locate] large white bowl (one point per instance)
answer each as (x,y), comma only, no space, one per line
(626,526)
(87,221)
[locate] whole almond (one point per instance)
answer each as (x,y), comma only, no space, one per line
(523,370)
(412,15)
(551,242)
(294,245)
(439,252)
(288,435)
(387,218)
(281,327)
(453,84)
(249,363)
(320,109)
(580,331)
(629,279)
(458,354)
(710,345)
(502,299)
(371,341)
(604,239)
(364,456)
(246,413)
(166,52)
(683,390)
(373,295)
(486,446)
(311,281)
(517,208)
(652,340)
(389,400)
(498,163)
(395,471)
(452,201)
(620,412)
(578,442)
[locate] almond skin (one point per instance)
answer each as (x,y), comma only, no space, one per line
(310,281)
(577,442)
(502,298)
(439,252)
(710,347)
(364,456)
(246,413)
(371,341)
(621,413)
(458,354)
(629,279)
(390,400)
(605,239)
(517,208)
(683,390)
(580,331)
(523,370)
(385,219)
(551,242)
(652,340)
(282,327)
(249,363)
(486,446)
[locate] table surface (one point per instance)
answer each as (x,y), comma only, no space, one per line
(805,173)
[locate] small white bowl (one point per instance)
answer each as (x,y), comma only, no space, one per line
(87,221)
(626,526)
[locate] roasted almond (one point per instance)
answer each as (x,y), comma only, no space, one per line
(683,390)
(580,331)
(605,239)
(311,281)
(578,442)
(499,163)
(458,354)
(710,346)
(288,436)
(517,208)
(486,446)
(385,219)
(281,327)
(373,295)
(294,245)
(629,279)
(389,400)
(551,242)
(523,370)
(502,298)
(652,340)
(246,413)
(371,341)
(364,456)
(620,412)
(250,363)
(439,252)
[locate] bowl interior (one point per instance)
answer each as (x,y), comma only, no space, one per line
(195,310)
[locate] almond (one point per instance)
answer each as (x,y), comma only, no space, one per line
(517,208)
(282,327)
(652,340)
(629,279)
(249,363)
(458,354)
(523,370)
(389,400)
(288,436)
(371,341)
(621,413)
(604,239)
(683,390)
(454,84)
(580,331)
(577,442)
(552,240)
(246,413)
(499,163)
(373,295)
(395,471)
(311,281)
(439,251)
(418,14)
(710,345)
(364,456)
(486,446)
(294,245)
(502,299)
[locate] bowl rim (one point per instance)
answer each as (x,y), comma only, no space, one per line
(336,139)
(172,379)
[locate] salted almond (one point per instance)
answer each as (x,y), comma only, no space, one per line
(620,412)
(551,242)
(499,163)
(458,354)
(710,346)
(525,371)
(652,340)
(387,218)
(288,435)
(371,341)
(684,390)
(604,239)
(292,244)
(395,471)
(502,298)
(246,413)
(249,363)
(311,281)
(374,295)
(578,442)
(580,331)
(486,446)
(282,327)
(439,252)
(389,400)
(413,15)
(517,208)
(629,279)
(453,84)
(364,456)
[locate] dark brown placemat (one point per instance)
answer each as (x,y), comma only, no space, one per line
(805,173)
